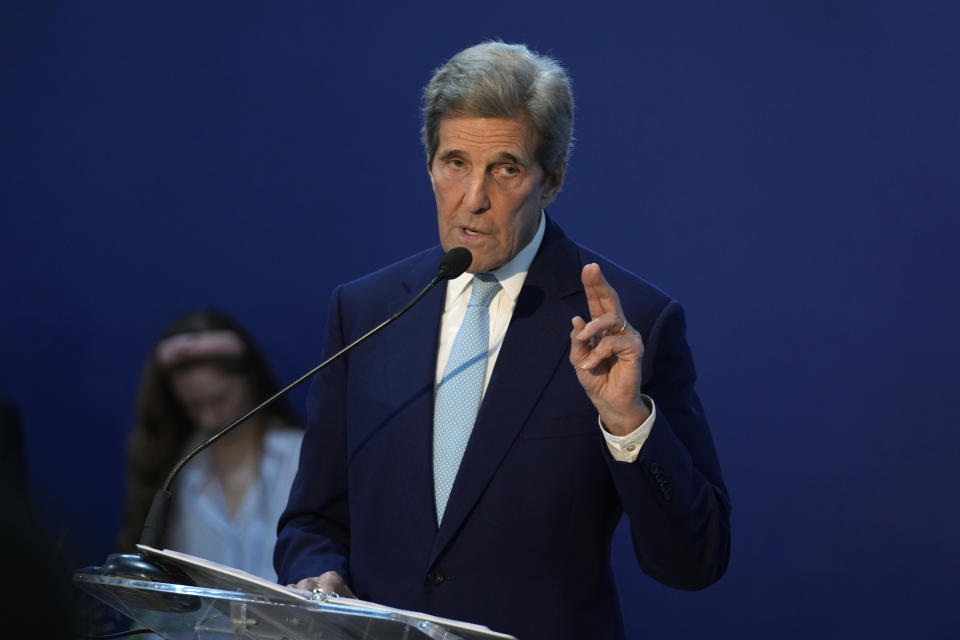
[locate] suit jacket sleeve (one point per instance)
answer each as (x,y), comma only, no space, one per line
(673,493)
(313,533)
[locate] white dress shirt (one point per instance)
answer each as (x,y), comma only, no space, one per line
(511,276)
(201,526)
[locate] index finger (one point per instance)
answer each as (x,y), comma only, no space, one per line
(601,297)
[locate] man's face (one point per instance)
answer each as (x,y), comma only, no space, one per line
(489,188)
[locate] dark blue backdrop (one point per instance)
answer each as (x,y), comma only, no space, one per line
(787,170)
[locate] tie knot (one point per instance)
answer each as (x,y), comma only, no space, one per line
(485,287)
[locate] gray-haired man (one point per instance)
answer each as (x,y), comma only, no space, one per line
(585,393)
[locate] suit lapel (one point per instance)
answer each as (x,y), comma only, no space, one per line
(409,380)
(536,342)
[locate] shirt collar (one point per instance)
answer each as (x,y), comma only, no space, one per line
(511,274)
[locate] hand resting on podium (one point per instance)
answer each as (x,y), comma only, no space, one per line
(329,584)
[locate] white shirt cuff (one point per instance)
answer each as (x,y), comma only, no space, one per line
(627,448)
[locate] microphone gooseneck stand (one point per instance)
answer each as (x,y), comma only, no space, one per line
(453,263)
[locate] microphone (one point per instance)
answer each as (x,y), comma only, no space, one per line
(451,265)
(454,263)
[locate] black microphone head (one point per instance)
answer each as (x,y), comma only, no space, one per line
(454,262)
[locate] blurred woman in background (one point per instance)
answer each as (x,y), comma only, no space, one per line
(204,373)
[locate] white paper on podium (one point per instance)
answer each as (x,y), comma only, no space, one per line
(213,575)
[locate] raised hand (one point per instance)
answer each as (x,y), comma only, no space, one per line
(607,353)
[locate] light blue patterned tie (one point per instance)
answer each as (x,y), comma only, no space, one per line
(461,388)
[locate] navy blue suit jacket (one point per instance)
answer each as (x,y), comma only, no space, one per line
(524,545)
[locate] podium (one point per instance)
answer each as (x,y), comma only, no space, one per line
(187,612)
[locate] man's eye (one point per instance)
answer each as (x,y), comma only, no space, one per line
(508,170)
(457,163)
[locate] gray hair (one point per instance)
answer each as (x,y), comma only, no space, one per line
(498,80)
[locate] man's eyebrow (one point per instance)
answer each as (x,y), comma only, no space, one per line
(503,156)
(451,153)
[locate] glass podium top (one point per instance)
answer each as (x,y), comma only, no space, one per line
(181,612)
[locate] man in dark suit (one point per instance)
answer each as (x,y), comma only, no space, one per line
(486,486)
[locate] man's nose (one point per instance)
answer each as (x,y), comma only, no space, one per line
(476,199)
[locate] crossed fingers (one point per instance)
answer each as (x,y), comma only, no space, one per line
(596,341)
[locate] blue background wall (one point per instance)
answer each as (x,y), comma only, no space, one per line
(787,170)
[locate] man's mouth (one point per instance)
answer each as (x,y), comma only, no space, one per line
(471,232)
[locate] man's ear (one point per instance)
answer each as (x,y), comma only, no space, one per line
(554,182)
